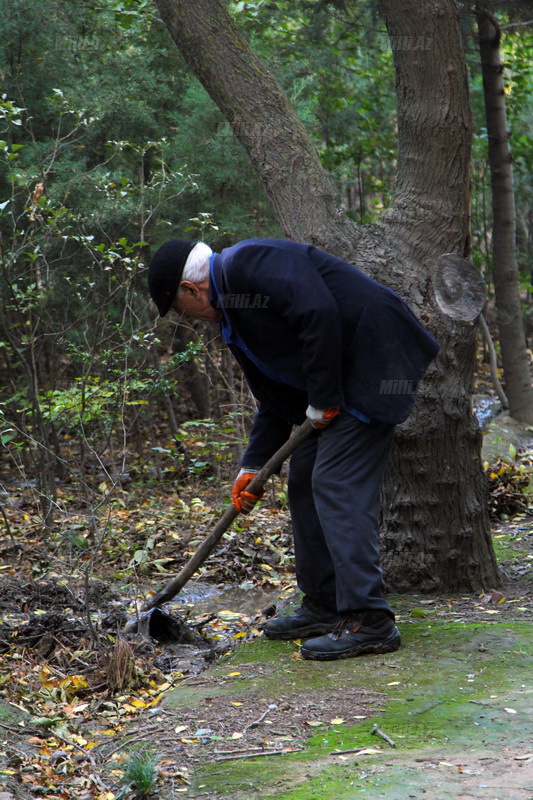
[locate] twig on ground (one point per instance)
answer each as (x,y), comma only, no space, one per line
(238,750)
(20,731)
(257,722)
(260,754)
(127,741)
(376,731)
(199,625)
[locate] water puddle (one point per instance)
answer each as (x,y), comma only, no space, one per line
(202,598)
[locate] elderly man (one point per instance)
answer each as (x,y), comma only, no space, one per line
(315,337)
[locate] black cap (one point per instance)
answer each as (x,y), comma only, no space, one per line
(165,271)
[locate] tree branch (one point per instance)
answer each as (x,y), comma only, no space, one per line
(262,118)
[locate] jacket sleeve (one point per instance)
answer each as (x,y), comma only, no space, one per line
(268,433)
(299,295)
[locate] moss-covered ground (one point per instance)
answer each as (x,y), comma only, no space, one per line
(457,706)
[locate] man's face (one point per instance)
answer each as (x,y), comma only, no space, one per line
(193,301)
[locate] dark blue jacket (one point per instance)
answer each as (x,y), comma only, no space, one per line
(321,332)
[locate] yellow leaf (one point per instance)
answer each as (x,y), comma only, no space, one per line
(394,683)
(313,723)
(73,680)
(236,735)
(337,721)
(232,674)
(296,656)
(139,704)
(180,728)
(236,704)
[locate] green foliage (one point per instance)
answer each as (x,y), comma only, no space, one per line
(225,186)
(335,62)
(140,774)
(108,147)
(203,448)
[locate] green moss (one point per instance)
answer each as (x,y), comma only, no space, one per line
(449,686)
(504,549)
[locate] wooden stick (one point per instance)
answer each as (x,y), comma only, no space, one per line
(376,731)
(260,755)
(208,545)
(256,722)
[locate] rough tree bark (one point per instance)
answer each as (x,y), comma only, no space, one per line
(515,359)
(436,520)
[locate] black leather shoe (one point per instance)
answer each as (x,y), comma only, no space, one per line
(309,620)
(357,633)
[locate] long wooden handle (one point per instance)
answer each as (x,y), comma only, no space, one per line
(210,542)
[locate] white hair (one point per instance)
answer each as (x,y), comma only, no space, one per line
(196,267)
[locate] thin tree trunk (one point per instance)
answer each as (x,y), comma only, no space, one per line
(236,408)
(194,378)
(515,359)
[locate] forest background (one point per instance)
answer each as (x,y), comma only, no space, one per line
(110,147)
(120,433)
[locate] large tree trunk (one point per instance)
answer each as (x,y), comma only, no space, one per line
(515,359)
(436,521)
(436,532)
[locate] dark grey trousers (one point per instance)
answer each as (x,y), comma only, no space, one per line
(334,496)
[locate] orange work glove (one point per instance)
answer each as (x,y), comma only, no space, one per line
(242,500)
(321,418)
